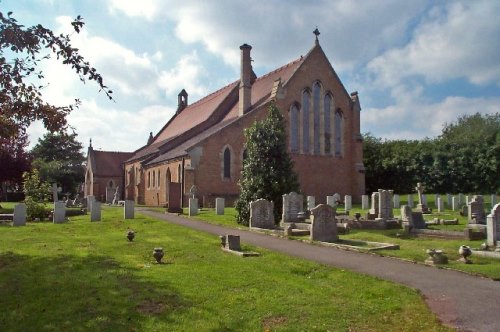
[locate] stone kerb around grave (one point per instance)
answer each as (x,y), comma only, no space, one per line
(261,214)
(493,226)
(323,224)
(293,203)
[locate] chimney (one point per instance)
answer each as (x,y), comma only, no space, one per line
(245,80)
(182,100)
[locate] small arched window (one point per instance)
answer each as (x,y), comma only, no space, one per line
(294,128)
(338,123)
(179,175)
(159,179)
(227,164)
(149,179)
(111,184)
(306,97)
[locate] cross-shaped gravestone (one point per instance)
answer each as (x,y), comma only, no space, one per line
(420,189)
(193,191)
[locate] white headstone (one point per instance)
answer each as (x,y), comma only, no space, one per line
(436,197)
(493,226)
(348,202)
(95,214)
(365,204)
(219,206)
(128,209)
(375,204)
(454,203)
(19,215)
(262,214)
(460,199)
(336,198)
(385,204)
(292,204)
(323,224)
(193,206)
(396,201)
(410,201)
(59,212)
(493,200)
(311,202)
(440,204)
(330,200)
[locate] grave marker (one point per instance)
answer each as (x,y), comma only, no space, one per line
(454,203)
(493,226)
(410,201)
(95,214)
(348,202)
(311,202)
(375,204)
(365,204)
(219,206)
(476,210)
(19,218)
(59,215)
(193,206)
(261,214)
(448,200)
(385,204)
(128,209)
(396,201)
(440,204)
(292,205)
(323,224)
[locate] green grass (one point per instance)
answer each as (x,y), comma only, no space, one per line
(83,276)
(411,248)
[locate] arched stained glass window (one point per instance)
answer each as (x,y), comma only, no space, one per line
(316,117)
(338,132)
(294,128)
(327,118)
(306,98)
(227,164)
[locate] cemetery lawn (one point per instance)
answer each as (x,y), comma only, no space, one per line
(411,248)
(84,276)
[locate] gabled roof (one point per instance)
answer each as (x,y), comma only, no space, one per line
(108,163)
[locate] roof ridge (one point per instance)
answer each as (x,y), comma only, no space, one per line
(112,151)
(206,98)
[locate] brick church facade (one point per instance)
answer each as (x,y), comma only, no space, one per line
(203,143)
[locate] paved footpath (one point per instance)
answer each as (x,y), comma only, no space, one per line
(465,302)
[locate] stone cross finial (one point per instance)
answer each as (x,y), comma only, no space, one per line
(317,33)
(420,189)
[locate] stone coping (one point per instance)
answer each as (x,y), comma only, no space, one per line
(351,245)
(242,253)
(485,253)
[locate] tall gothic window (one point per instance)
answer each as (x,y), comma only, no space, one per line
(227,164)
(179,175)
(149,179)
(306,97)
(158,183)
(154,177)
(294,128)
(338,132)
(327,116)
(316,117)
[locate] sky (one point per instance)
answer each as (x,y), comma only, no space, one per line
(417,65)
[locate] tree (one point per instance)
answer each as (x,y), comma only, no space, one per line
(22,49)
(14,161)
(267,169)
(59,158)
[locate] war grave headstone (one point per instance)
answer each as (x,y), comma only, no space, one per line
(311,202)
(375,205)
(476,210)
(421,207)
(440,204)
(436,198)
(454,203)
(365,204)
(330,200)
(348,202)
(193,206)
(19,218)
(461,199)
(493,226)
(323,224)
(219,206)
(261,214)
(410,201)
(59,215)
(396,201)
(292,206)
(95,214)
(448,200)
(128,209)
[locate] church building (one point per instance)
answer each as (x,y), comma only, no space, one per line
(202,145)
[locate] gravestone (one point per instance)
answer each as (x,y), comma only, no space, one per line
(348,202)
(406,214)
(396,201)
(418,220)
(59,215)
(375,204)
(193,206)
(476,210)
(311,202)
(436,197)
(454,203)
(95,214)
(330,200)
(292,205)
(19,218)
(460,199)
(323,224)
(448,200)
(261,214)
(439,204)
(90,200)
(424,199)
(410,201)
(493,200)
(336,198)
(128,209)
(421,207)
(493,226)
(54,192)
(233,242)
(219,206)
(385,204)
(365,204)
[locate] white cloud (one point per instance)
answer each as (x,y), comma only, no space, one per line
(458,41)
(134,8)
